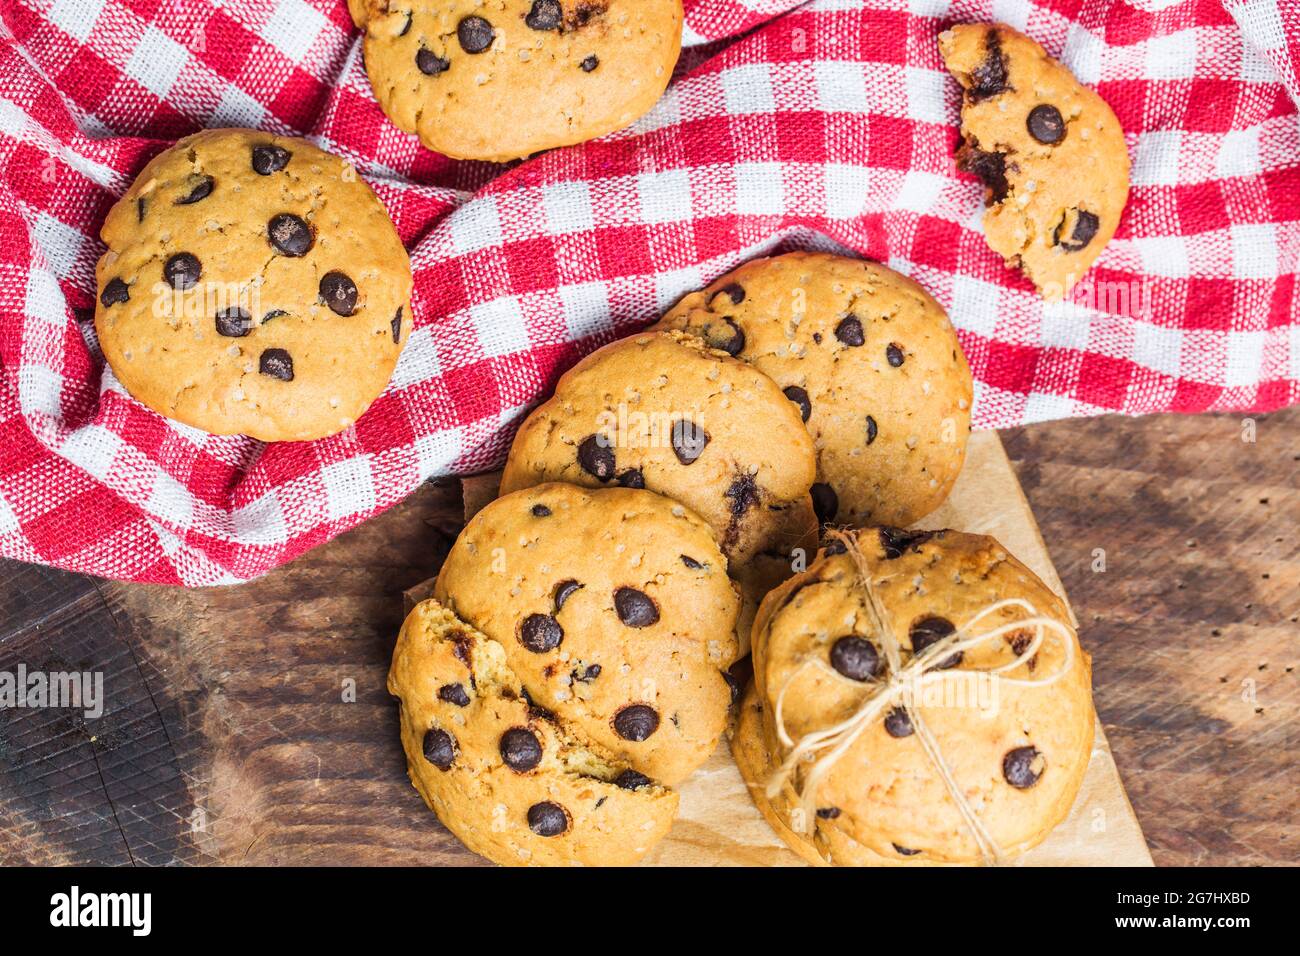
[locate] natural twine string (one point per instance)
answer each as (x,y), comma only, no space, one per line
(901,685)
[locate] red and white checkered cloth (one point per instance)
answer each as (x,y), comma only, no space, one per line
(831,124)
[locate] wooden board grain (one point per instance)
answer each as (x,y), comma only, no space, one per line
(238,737)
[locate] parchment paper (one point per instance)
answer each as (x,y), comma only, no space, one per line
(718,824)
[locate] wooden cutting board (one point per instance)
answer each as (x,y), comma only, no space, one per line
(718,824)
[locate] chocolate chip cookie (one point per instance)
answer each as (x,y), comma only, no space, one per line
(872,365)
(515,782)
(662,411)
(500,79)
(615,612)
(252,285)
(1049,151)
(953,654)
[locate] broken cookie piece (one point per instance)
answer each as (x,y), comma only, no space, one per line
(1049,151)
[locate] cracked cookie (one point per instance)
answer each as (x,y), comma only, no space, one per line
(252,285)
(870,361)
(1049,151)
(514,782)
(500,79)
(662,411)
(956,656)
(613,608)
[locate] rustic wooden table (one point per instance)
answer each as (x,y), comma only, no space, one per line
(250,724)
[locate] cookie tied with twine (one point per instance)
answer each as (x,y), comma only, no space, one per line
(918,698)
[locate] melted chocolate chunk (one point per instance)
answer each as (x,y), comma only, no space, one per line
(547,819)
(635,608)
(276,363)
(563,591)
(115,292)
(990,77)
(825,502)
(234,322)
(632,478)
(733,685)
(182,271)
(855,658)
(1046,124)
(743,495)
(520,749)
(596,458)
(894,541)
(397,326)
(200,189)
(430,64)
(929,630)
(800,397)
(439,748)
(339,292)
(631,780)
(733,291)
(454,694)
(540,633)
(991,168)
(475,34)
(688,440)
(636,722)
(1023,767)
(290,235)
(269,159)
(1085,228)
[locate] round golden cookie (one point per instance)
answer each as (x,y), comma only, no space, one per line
(500,79)
(252,285)
(513,782)
(1016,751)
(872,364)
(662,411)
(615,612)
(1049,150)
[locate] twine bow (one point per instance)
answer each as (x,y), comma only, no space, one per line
(900,686)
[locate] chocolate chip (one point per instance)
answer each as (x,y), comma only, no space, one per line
(894,541)
(544,15)
(290,235)
(589,63)
(269,159)
(733,291)
(990,77)
(1023,767)
(635,608)
(835,546)
(1046,124)
(540,633)
(800,397)
(547,819)
(234,322)
(632,478)
(439,748)
(733,685)
(734,343)
(586,676)
(871,429)
(429,63)
(273,314)
(397,326)
(141,205)
(1085,227)
(691,562)
(201,189)
(454,694)
(541,511)
(743,494)
(849,331)
(596,458)
(406,27)
(855,658)
(182,270)
(825,502)
(894,355)
(276,363)
(827,813)
(636,722)
(991,168)
(584,12)
(927,631)
(631,780)
(115,291)
(898,723)
(904,851)
(688,440)
(475,34)
(520,749)
(563,591)
(339,292)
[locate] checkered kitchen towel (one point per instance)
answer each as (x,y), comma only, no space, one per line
(830,124)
